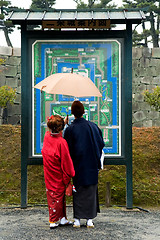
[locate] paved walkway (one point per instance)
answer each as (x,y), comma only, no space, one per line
(111,223)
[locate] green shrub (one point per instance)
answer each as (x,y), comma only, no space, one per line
(153,98)
(7,96)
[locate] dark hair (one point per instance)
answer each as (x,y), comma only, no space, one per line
(77,109)
(55,123)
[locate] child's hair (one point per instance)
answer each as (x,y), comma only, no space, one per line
(55,123)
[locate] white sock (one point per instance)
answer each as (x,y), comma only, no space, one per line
(89,222)
(76,222)
(63,220)
(53,225)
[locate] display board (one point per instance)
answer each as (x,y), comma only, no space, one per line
(100,60)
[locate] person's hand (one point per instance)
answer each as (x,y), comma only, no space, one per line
(66,120)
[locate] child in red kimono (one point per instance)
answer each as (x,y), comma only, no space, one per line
(58,170)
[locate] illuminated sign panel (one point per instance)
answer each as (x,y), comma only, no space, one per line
(99,60)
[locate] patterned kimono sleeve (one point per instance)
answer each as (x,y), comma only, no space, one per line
(66,163)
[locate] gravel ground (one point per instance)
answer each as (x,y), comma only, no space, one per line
(111,223)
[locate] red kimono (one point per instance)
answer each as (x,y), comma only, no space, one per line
(58,171)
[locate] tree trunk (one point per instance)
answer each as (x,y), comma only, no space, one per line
(145,38)
(153,31)
(90,4)
(7,37)
(158,20)
(1,116)
(5,116)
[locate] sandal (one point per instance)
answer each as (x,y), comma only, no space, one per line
(90,224)
(76,223)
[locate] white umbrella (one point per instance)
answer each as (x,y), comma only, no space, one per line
(71,84)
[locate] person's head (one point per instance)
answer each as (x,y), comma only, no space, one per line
(55,123)
(77,109)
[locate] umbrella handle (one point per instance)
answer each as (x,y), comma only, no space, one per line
(43,87)
(66,120)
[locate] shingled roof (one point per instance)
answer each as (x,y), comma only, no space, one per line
(116,16)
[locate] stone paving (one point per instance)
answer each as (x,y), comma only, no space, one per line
(111,223)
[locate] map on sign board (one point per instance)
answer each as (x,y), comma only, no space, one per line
(97,59)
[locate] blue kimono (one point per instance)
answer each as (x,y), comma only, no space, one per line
(85,143)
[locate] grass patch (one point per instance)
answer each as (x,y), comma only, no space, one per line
(146,171)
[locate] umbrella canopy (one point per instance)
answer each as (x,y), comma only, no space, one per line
(71,84)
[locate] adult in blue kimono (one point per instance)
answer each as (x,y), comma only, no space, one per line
(85,143)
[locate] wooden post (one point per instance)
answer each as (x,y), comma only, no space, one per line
(108,195)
